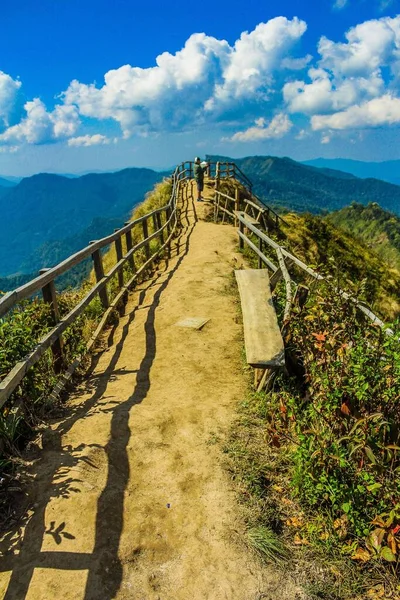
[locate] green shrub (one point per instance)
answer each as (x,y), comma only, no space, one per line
(345,422)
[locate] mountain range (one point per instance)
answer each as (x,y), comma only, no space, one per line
(45,218)
(290,185)
(8,182)
(387,171)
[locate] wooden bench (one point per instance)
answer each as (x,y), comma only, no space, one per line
(262,336)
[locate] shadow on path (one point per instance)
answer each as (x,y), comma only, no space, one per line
(105,568)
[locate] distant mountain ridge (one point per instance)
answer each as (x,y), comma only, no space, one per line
(6,182)
(47,217)
(386,171)
(285,183)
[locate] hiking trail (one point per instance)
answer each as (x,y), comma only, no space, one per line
(130,498)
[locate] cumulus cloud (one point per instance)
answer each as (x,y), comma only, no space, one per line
(324,95)
(166,96)
(350,76)
(210,81)
(256,60)
(375,113)
(89,140)
(369,47)
(205,80)
(40,126)
(9,89)
(277,128)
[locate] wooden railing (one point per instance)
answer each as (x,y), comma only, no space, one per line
(163,222)
(243,200)
(285,261)
(246,211)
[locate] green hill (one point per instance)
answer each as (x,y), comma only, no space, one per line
(318,242)
(377,228)
(47,217)
(287,184)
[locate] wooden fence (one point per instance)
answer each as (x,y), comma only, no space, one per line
(286,260)
(244,208)
(243,200)
(163,221)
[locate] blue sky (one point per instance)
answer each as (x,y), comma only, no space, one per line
(97,85)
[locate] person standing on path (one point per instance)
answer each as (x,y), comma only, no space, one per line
(198,171)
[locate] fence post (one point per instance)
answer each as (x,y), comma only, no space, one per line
(241,229)
(237,203)
(260,247)
(145,236)
(118,250)
(159,221)
(129,246)
(217,182)
(167,218)
(50,298)
(99,272)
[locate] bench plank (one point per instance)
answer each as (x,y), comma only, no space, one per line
(263,340)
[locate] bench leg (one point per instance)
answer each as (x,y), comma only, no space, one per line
(267,379)
(258,374)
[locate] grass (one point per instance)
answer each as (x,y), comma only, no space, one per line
(278,530)
(268,544)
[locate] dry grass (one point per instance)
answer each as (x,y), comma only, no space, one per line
(158,197)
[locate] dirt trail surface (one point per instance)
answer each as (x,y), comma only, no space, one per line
(130,499)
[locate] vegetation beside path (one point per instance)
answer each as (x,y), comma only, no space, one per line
(317,459)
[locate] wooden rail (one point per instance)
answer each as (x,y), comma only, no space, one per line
(243,200)
(45,282)
(245,209)
(285,261)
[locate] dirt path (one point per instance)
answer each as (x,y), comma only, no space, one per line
(131,500)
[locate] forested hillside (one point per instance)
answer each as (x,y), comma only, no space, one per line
(285,183)
(378,228)
(320,243)
(48,217)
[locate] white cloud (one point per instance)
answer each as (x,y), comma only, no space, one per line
(369,47)
(9,89)
(277,128)
(89,140)
(211,82)
(303,133)
(205,80)
(324,95)
(351,78)
(167,96)
(375,113)
(8,149)
(256,59)
(40,126)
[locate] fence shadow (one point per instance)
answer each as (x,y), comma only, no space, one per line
(23,557)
